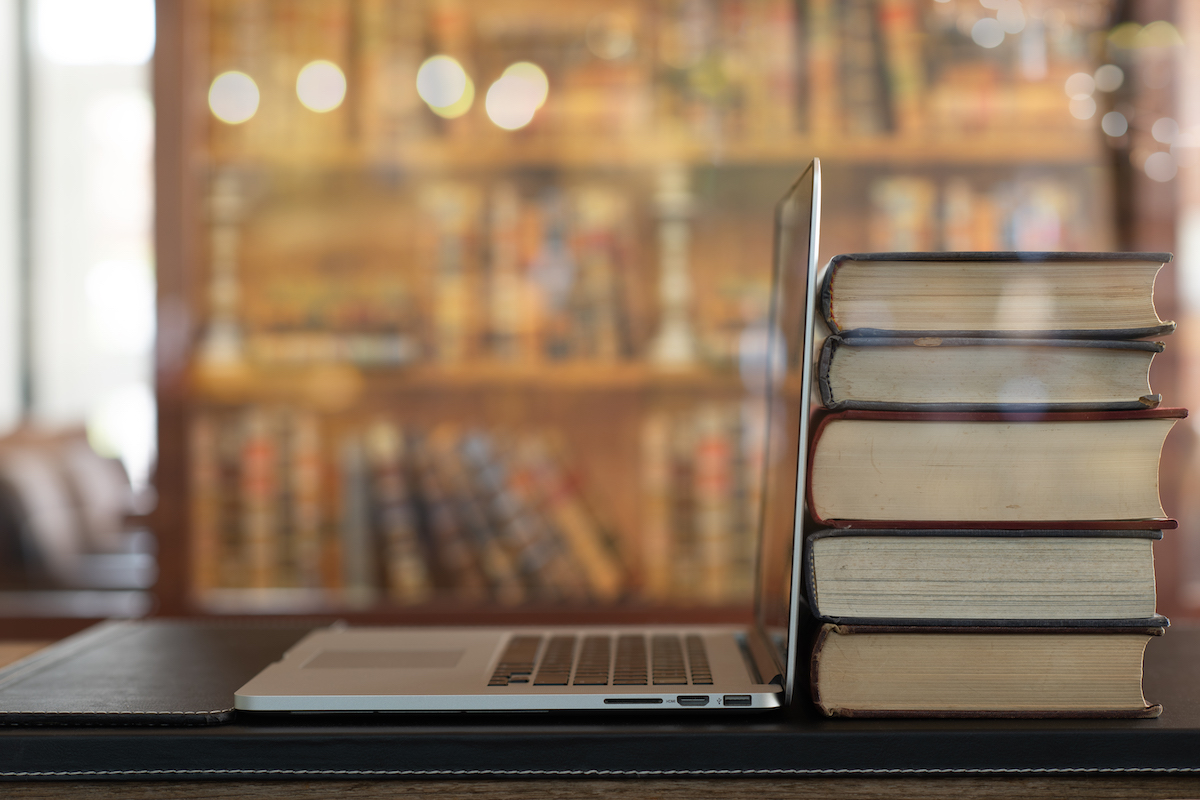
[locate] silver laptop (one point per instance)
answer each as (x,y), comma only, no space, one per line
(644,668)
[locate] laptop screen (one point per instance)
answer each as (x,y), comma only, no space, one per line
(788,384)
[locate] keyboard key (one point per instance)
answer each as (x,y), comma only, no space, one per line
(517,660)
(594,662)
(669,667)
(555,669)
(698,661)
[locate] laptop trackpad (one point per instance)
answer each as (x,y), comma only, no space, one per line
(385,659)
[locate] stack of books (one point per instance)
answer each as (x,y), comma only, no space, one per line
(984,480)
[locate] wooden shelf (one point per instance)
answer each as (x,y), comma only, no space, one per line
(990,148)
(337,385)
(321,603)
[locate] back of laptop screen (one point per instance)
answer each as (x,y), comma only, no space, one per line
(786,380)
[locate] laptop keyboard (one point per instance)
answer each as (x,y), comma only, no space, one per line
(626,660)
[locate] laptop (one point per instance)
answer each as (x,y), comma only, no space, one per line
(647,667)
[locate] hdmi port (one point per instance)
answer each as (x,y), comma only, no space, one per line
(693,699)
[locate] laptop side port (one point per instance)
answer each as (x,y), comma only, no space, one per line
(693,699)
(736,700)
(632,701)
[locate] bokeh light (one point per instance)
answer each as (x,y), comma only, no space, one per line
(1164,130)
(1109,77)
(1114,123)
(608,36)
(1158,34)
(987,32)
(1079,85)
(1011,16)
(1082,107)
(445,86)
(321,86)
(233,97)
(517,95)
(1160,167)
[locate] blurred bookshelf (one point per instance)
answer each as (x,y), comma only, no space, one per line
(415,365)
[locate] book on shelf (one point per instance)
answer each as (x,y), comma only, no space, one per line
(414,514)
(1048,294)
(458,564)
(983,469)
(973,373)
(700,470)
(557,495)
(982,577)
(394,512)
(356,545)
(894,671)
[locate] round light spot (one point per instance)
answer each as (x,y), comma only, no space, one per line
(1158,34)
(1164,130)
(987,32)
(1082,107)
(608,36)
(1114,123)
(233,97)
(512,101)
(1160,167)
(1123,35)
(1079,85)
(460,106)
(442,82)
(1011,16)
(534,76)
(1109,77)
(321,86)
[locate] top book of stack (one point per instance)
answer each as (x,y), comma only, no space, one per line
(994,294)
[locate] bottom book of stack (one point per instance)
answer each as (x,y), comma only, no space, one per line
(970,623)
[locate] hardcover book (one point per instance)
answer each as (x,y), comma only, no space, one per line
(974,374)
(988,470)
(864,671)
(982,577)
(1051,295)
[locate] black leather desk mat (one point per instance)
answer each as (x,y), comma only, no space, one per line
(152,672)
(428,746)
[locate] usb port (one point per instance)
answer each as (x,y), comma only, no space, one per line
(736,700)
(693,699)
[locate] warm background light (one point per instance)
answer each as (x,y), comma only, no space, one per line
(321,86)
(445,86)
(233,97)
(517,95)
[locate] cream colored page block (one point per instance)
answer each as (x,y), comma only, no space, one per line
(894,470)
(981,672)
(950,296)
(945,577)
(1007,374)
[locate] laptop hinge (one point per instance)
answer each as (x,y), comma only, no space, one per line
(764,663)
